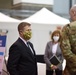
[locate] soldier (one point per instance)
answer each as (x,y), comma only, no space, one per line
(68,44)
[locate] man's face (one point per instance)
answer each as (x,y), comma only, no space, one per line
(73,15)
(27,32)
(27,28)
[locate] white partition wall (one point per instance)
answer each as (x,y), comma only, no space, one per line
(41,69)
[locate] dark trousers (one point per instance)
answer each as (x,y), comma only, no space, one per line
(50,72)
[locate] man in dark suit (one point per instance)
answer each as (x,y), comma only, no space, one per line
(22,57)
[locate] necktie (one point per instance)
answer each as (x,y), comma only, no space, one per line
(28,45)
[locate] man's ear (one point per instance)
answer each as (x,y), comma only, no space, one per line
(20,32)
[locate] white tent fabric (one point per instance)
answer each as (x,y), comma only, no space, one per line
(5,18)
(44,16)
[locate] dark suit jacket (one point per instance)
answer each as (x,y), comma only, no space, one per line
(21,61)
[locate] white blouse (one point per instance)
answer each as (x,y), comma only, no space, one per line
(54,48)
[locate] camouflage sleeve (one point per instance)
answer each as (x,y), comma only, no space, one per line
(65,45)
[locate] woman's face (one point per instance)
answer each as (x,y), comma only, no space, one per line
(56,37)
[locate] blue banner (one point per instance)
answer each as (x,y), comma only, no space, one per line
(2,41)
(2,51)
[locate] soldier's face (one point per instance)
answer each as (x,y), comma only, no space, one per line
(73,15)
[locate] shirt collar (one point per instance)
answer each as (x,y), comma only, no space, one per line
(23,40)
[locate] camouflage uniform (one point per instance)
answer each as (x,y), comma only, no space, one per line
(68,46)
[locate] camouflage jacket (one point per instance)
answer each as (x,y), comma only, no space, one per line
(68,46)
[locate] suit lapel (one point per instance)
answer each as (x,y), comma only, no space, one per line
(24,47)
(50,45)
